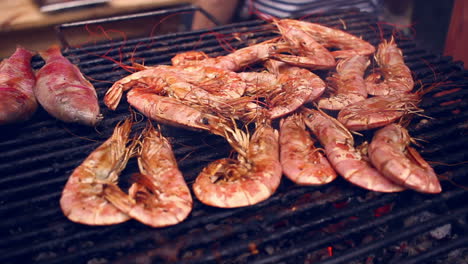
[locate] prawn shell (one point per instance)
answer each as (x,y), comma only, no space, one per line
(83,199)
(343,156)
(255,181)
(348,44)
(348,82)
(390,154)
(141,79)
(301,161)
(377,111)
(393,76)
(170,111)
(298,86)
(166,198)
(311,54)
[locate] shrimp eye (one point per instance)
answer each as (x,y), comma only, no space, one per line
(205,121)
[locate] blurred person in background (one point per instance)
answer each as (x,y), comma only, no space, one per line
(227,11)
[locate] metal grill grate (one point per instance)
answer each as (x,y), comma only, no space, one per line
(297,225)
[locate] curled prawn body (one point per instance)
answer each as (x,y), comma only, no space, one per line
(295,87)
(343,156)
(347,44)
(248,180)
(311,54)
(259,83)
(377,111)
(397,77)
(159,196)
(348,82)
(202,84)
(302,162)
(197,84)
(83,200)
(390,153)
(233,61)
(141,79)
(241,58)
(284,87)
(298,86)
(171,111)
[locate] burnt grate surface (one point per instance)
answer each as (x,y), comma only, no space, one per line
(335,223)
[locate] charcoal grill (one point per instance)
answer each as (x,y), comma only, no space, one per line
(335,223)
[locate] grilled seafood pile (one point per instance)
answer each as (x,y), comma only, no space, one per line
(290,105)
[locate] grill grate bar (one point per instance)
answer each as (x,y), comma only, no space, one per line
(398,236)
(332,238)
(270,237)
(436,252)
(292,220)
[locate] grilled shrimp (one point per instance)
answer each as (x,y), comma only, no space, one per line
(378,111)
(348,83)
(241,58)
(190,58)
(298,86)
(340,151)
(233,61)
(284,87)
(390,153)
(259,83)
(83,200)
(197,84)
(204,84)
(251,178)
(348,44)
(295,87)
(397,78)
(160,196)
(64,92)
(302,162)
(171,111)
(310,53)
(17,80)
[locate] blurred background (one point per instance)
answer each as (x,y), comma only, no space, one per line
(440,26)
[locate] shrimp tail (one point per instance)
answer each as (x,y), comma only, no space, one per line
(141,188)
(117,197)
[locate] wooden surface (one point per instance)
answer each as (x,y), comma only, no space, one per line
(21,22)
(24,14)
(456,44)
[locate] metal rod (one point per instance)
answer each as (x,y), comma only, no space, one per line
(185,8)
